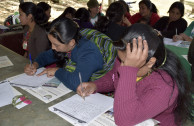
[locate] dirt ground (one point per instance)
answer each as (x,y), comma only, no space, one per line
(8,7)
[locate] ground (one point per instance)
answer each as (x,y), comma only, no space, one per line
(8,7)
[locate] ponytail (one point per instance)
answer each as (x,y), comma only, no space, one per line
(38,14)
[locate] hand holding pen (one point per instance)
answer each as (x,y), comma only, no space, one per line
(86,88)
(30,69)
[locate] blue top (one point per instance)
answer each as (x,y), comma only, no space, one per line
(88,60)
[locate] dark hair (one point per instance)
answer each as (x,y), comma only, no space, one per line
(44,6)
(64,30)
(149,5)
(179,6)
(125,5)
(83,15)
(167,61)
(70,10)
(38,13)
(114,14)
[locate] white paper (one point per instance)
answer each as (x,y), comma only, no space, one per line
(23,80)
(107,119)
(48,94)
(168,41)
(5,62)
(85,110)
(7,93)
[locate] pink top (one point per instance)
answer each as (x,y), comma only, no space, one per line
(136,17)
(137,102)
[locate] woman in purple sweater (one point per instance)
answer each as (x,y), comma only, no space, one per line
(148,81)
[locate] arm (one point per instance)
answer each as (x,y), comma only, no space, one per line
(45,58)
(89,61)
(131,108)
(171,31)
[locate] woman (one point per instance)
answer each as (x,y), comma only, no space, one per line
(69,12)
(82,17)
(187,35)
(148,80)
(35,38)
(65,39)
(170,26)
(93,7)
(46,7)
(111,24)
(146,10)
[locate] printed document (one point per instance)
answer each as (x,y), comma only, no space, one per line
(81,112)
(23,80)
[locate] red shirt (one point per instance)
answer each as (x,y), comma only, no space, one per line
(136,17)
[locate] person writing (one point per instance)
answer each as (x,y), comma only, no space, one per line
(187,35)
(170,25)
(35,39)
(68,44)
(148,81)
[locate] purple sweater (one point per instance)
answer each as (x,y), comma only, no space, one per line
(136,102)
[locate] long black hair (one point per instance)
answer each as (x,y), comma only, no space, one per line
(64,30)
(38,13)
(114,13)
(167,61)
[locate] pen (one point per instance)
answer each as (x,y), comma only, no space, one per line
(80,78)
(30,59)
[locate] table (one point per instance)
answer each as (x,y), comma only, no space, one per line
(179,51)
(35,114)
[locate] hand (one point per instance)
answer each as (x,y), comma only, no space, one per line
(31,69)
(177,37)
(126,21)
(50,72)
(88,88)
(137,57)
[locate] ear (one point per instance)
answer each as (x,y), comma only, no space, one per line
(151,62)
(72,42)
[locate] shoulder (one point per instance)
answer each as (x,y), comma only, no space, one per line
(154,15)
(182,20)
(161,78)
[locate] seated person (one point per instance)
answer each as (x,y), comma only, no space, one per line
(69,12)
(65,38)
(170,26)
(187,35)
(111,24)
(127,10)
(82,17)
(46,7)
(35,39)
(191,58)
(93,7)
(148,80)
(147,10)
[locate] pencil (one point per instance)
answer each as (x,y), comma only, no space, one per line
(80,78)
(30,59)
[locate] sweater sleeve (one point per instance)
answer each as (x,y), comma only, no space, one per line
(154,18)
(45,58)
(89,61)
(131,108)
(106,83)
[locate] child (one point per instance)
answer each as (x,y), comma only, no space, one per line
(35,38)
(148,81)
(69,12)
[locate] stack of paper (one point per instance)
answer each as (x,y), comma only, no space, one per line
(81,112)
